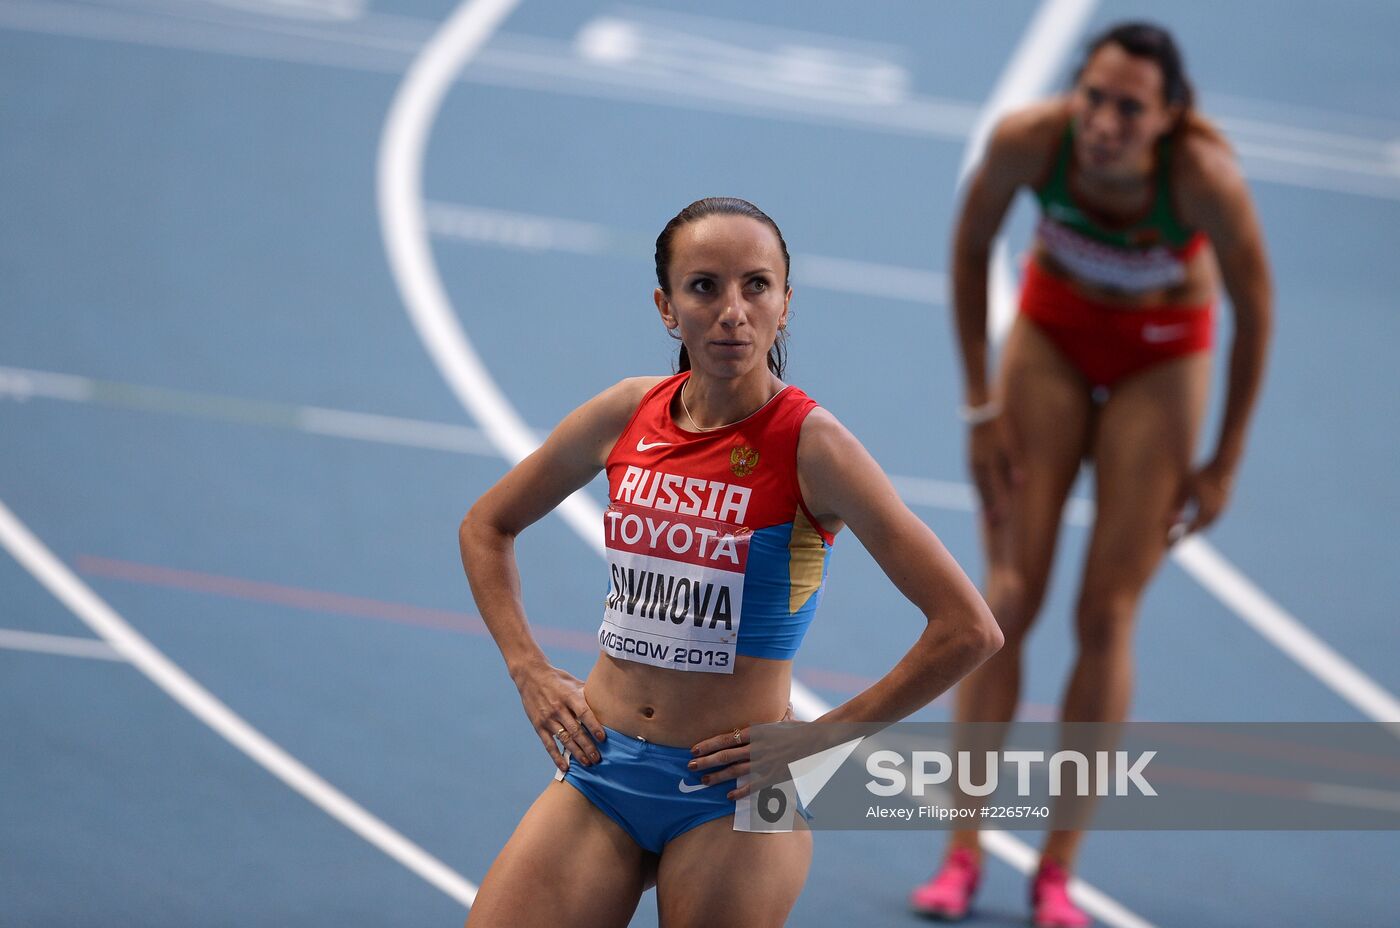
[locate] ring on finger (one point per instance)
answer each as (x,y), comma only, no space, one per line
(560,734)
(738,736)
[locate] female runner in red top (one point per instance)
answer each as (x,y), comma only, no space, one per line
(1144,214)
(726,489)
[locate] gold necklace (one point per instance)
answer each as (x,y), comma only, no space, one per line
(697,426)
(700,428)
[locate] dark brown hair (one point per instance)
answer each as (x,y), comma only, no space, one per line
(720,206)
(1148,40)
(1154,43)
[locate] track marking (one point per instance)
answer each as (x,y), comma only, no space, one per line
(65,586)
(319,601)
(535,233)
(14,639)
(1203,562)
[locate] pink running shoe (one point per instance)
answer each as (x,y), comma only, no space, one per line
(1051,902)
(948,895)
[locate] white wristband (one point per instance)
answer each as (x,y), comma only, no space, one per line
(979,415)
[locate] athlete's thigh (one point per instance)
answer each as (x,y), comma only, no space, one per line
(714,875)
(1048,416)
(1143,446)
(566,864)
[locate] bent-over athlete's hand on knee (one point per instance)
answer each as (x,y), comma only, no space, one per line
(992,460)
(1200,501)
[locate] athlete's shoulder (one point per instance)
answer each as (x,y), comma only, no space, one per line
(822,434)
(598,423)
(1206,175)
(1043,122)
(1204,159)
(1025,139)
(632,389)
(622,398)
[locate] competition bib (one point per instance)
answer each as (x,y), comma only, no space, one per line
(676,584)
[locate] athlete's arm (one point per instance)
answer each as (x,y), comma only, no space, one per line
(1214,198)
(841,483)
(569,458)
(1016,155)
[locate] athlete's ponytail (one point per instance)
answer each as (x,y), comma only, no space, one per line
(720,206)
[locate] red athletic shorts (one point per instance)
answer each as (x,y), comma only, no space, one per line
(1106,342)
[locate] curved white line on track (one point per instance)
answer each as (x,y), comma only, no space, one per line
(405,233)
(404,227)
(35,557)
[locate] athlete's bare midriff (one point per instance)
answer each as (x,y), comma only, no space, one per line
(1198,289)
(681,708)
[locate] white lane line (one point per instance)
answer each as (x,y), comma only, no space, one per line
(393,430)
(868,278)
(959,497)
(1200,559)
(536,233)
(65,586)
(512,229)
(20,384)
(14,639)
(1043,48)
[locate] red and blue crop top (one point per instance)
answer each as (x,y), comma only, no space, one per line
(711,550)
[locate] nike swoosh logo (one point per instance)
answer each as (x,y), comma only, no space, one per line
(642,444)
(1163,333)
(688,788)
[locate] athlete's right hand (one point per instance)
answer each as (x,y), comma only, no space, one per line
(553,699)
(994,468)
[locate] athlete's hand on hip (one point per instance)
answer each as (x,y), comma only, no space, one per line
(729,751)
(995,470)
(553,700)
(1200,500)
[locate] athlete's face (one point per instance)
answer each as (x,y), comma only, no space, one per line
(728,293)
(1119,112)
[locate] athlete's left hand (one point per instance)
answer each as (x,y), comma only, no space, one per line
(727,752)
(1203,494)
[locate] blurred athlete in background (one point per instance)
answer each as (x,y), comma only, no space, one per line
(1144,214)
